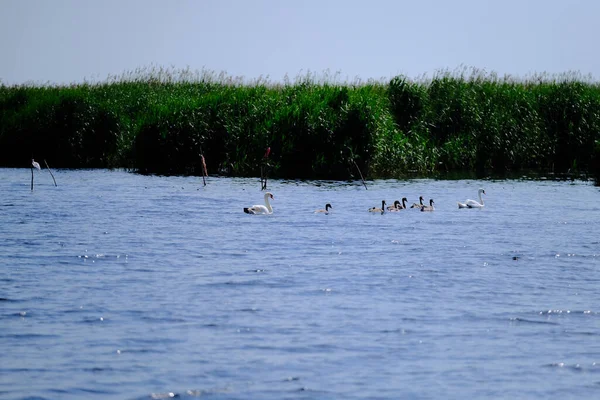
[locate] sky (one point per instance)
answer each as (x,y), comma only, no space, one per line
(69,41)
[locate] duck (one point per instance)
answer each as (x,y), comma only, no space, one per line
(398,206)
(473,203)
(324,211)
(429,207)
(419,204)
(377,209)
(259,208)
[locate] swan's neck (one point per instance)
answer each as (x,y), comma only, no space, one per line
(267,203)
(481,199)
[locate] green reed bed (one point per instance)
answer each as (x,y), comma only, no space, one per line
(161,121)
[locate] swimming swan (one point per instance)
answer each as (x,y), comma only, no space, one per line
(429,207)
(473,203)
(394,206)
(260,209)
(326,210)
(377,209)
(397,206)
(419,204)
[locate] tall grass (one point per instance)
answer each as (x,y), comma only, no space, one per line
(161,121)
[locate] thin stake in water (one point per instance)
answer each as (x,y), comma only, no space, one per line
(361,175)
(204,170)
(36,165)
(49,170)
(264,169)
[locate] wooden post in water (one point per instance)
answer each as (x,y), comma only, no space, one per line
(361,175)
(36,166)
(264,169)
(51,174)
(263,177)
(204,170)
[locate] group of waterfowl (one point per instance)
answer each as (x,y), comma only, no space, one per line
(398,206)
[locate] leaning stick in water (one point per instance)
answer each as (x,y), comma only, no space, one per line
(263,169)
(32,178)
(51,174)
(361,175)
(204,171)
(263,177)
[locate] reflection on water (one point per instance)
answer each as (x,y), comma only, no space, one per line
(116,285)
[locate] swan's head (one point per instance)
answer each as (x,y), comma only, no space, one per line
(404,199)
(481,191)
(421,198)
(328,206)
(269,195)
(430,202)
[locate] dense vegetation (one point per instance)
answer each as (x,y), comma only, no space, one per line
(162,121)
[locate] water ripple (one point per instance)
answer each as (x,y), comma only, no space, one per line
(119,285)
(530,321)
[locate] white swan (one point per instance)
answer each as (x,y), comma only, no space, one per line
(260,209)
(473,203)
(324,211)
(430,207)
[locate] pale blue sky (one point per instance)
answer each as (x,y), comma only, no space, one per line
(65,41)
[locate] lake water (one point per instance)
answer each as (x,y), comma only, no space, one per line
(120,286)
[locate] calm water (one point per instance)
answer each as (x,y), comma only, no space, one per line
(119,286)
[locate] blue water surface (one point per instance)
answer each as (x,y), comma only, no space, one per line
(120,286)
